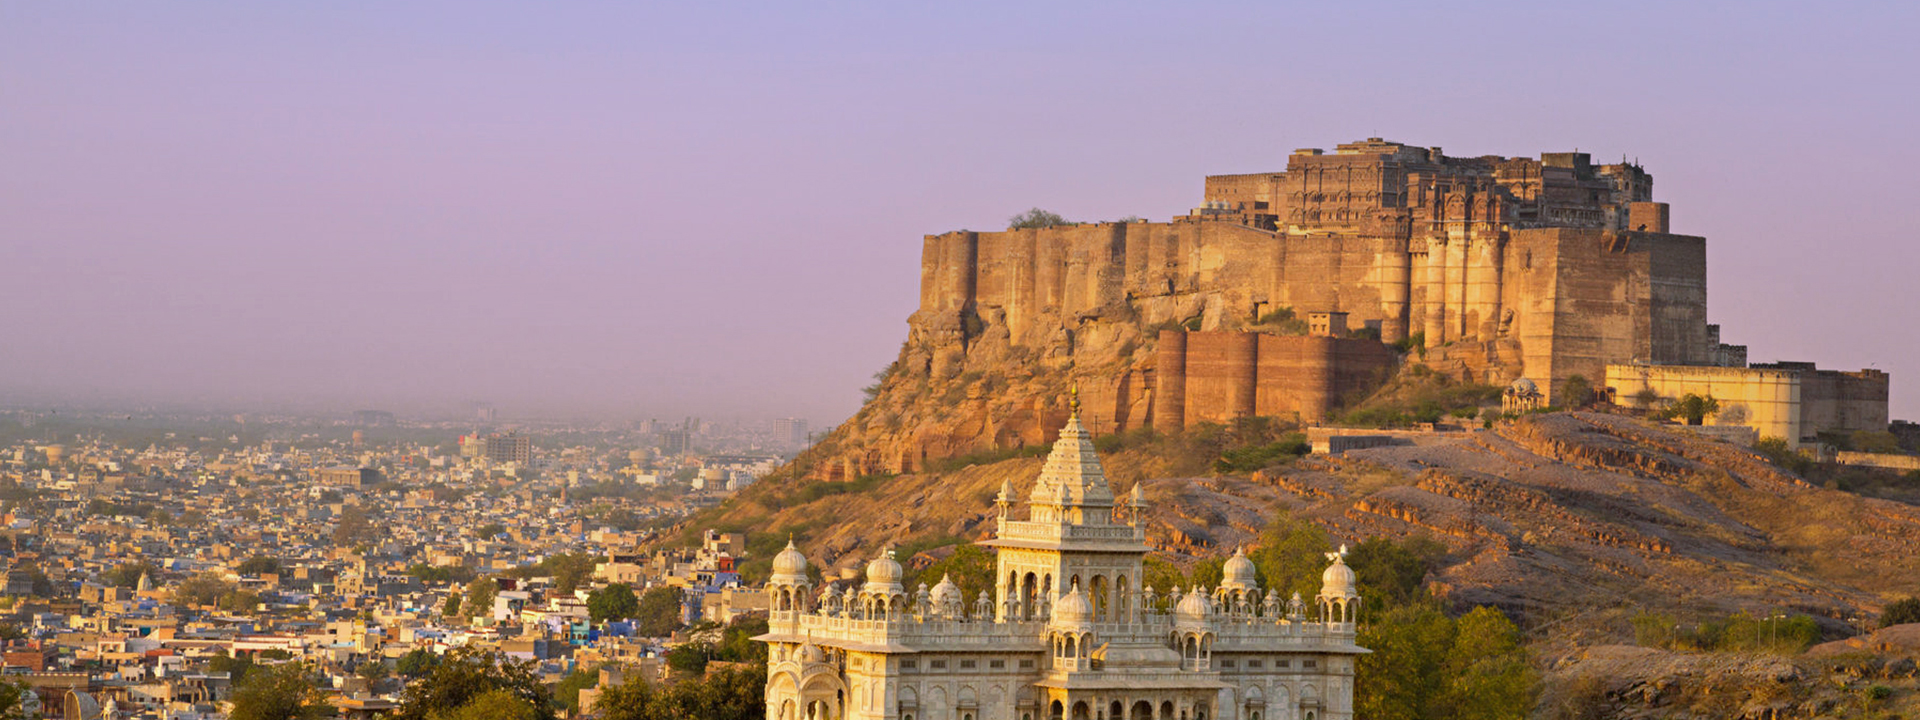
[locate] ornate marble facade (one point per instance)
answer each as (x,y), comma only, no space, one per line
(1068,633)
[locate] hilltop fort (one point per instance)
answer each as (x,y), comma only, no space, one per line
(1292,293)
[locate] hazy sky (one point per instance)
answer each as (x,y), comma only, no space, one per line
(716,207)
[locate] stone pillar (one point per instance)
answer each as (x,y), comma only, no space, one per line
(1243,358)
(1456,317)
(1483,288)
(1170,382)
(1436,296)
(1396,276)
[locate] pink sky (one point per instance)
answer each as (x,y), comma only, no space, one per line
(630,212)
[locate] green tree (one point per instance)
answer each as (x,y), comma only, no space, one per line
(970,567)
(236,667)
(17,701)
(489,530)
(1901,612)
(128,574)
(1394,573)
(239,601)
(466,674)
(495,704)
(737,644)
(1209,572)
(730,694)
(373,670)
(658,613)
(354,528)
(260,565)
(42,585)
(1875,441)
(613,602)
(283,692)
(480,594)
(568,691)
(416,663)
(1401,678)
(690,657)
(1035,218)
(1577,392)
(203,589)
(1692,408)
(1157,573)
(568,570)
(1781,453)
(1291,555)
(1490,676)
(452,606)
(1428,666)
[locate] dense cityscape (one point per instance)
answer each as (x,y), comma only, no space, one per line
(155,560)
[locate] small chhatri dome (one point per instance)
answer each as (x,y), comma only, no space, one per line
(1072,609)
(946,592)
(1238,571)
(1338,580)
(884,570)
(790,564)
(1193,609)
(1524,386)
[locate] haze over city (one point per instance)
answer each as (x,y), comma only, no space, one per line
(617,211)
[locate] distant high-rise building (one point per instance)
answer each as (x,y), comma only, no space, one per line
(510,447)
(674,442)
(486,414)
(790,431)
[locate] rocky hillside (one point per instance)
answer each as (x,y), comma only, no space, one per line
(1574,523)
(1574,519)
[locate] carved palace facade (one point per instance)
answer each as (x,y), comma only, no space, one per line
(1069,631)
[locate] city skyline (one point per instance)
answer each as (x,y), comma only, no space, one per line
(687,211)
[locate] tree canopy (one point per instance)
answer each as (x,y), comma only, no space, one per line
(259,565)
(737,693)
(1035,218)
(613,602)
(127,574)
(465,675)
(283,692)
(480,594)
(203,589)
(658,613)
(1427,666)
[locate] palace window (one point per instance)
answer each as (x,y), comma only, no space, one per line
(1253,664)
(1283,663)
(966,664)
(996,664)
(909,664)
(937,664)
(1309,664)
(1026,664)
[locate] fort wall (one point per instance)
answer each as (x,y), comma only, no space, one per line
(1228,375)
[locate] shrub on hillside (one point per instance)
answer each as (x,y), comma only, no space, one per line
(1901,612)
